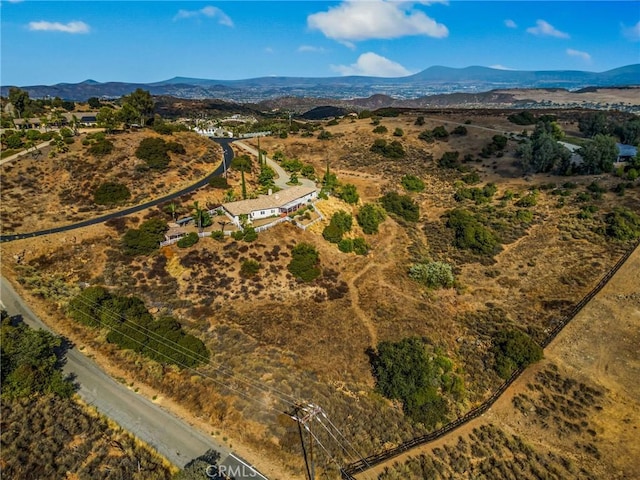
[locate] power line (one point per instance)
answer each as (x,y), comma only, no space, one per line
(113,315)
(280,396)
(187,367)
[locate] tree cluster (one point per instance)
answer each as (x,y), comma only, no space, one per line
(408,372)
(132,327)
(542,153)
(30,361)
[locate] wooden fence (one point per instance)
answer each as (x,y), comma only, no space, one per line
(372,460)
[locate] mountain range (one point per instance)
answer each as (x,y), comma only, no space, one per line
(434,80)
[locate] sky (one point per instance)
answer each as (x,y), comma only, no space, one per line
(49,42)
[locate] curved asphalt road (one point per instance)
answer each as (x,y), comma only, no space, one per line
(170,436)
(227,158)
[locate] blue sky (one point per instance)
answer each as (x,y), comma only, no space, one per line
(47,42)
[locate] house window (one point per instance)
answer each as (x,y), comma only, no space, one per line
(262,213)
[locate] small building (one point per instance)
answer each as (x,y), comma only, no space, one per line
(175,232)
(27,123)
(265,206)
(626,152)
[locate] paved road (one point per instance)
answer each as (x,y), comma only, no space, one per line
(23,153)
(227,158)
(173,438)
(283,177)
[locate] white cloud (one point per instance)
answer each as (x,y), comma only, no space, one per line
(500,67)
(632,33)
(372,64)
(208,11)
(545,29)
(510,23)
(355,20)
(577,53)
(71,27)
(310,48)
(268,50)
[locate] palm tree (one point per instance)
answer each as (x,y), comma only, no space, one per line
(198,215)
(173,209)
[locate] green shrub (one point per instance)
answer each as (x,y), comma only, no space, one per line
(401,205)
(146,239)
(325,135)
(348,193)
(408,372)
(332,233)
(175,147)
(440,133)
(478,195)
(459,130)
(432,274)
(31,362)
(304,262)
(513,349)
(219,182)
(101,147)
(449,160)
(470,233)
(370,217)
(249,268)
(412,183)
(132,327)
(622,224)
(388,150)
(632,174)
(360,246)
(398,132)
(427,136)
(189,240)
(110,193)
(529,200)
(250,234)
(153,151)
(345,245)
(380,129)
(217,235)
(472,178)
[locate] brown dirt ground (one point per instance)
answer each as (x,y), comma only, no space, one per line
(263,327)
(42,192)
(599,349)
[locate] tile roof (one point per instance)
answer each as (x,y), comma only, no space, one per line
(265,202)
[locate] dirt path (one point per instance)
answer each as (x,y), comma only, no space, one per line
(383,251)
(599,345)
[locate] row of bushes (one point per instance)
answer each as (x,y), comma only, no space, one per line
(132,327)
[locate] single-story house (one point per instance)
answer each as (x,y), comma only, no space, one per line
(85,119)
(626,152)
(265,206)
(175,232)
(27,123)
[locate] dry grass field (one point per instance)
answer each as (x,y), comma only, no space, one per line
(310,340)
(41,192)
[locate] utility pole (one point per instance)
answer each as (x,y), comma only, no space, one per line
(303,414)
